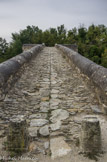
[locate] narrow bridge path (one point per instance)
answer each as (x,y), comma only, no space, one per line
(54,97)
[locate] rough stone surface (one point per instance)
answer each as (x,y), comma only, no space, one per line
(33,131)
(17,139)
(10,68)
(37,116)
(72,93)
(26,47)
(44,131)
(72,46)
(46,145)
(55,126)
(59,147)
(96,109)
(58,115)
(38,122)
(95,72)
(90,135)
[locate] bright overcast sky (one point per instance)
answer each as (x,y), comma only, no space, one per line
(17,14)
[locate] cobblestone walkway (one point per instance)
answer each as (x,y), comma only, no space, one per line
(54,98)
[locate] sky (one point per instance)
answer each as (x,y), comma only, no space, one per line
(15,15)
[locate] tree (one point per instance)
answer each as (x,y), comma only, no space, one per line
(47,39)
(104,58)
(3,49)
(3,46)
(72,36)
(82,31)
(92,42)
(61,32)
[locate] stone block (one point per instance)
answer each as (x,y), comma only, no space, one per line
(90,140)
(17,138)
(59,147)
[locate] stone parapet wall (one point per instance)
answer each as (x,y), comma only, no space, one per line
(96,73)
(10,68)
(72,46)
(26,47)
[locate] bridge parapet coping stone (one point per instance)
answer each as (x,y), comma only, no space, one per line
(72,46)
(96,73)
(9,68)
(26,47)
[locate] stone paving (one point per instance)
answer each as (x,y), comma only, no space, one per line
(54,97)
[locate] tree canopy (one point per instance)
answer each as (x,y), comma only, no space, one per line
(91,42)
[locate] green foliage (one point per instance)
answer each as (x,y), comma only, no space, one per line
(104,58)
(92,42)
(61,32)
(3,49)
(82,34)
(72,36)
(3,46)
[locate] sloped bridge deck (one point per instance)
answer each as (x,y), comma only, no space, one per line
(54,91)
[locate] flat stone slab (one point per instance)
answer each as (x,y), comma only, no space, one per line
(55,126)
(53,82)
(96,109)
(46,145)
(58,115)
(37,116)
(54,96)
(59,147)
(45,93)
(44,110)
(38,122)
(55,91)
(44,104)
(55,102)
(46,80)
(45,99)
(44,131)
(33,131)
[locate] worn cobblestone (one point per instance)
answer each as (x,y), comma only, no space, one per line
(50,84)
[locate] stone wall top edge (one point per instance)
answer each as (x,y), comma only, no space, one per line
(95,72)
(12,65)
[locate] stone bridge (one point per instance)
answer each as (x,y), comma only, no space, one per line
(53,89)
